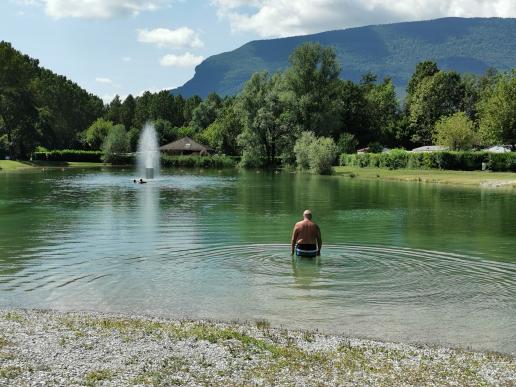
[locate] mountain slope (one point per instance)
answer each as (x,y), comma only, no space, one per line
(464,45)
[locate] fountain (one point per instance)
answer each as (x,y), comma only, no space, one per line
(148,153)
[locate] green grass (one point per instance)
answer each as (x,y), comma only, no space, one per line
(430,175)
(12,165)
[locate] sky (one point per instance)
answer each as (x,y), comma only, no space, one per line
(123,47)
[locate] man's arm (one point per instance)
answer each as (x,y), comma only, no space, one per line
(293,241)
(319,241)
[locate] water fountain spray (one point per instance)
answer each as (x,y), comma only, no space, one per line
(148,153)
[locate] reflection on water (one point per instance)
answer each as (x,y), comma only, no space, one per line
(400,261)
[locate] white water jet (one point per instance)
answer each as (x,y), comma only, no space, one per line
(148,153)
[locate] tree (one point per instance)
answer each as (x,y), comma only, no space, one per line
(206,112)
(223,132)
(302,149)
(382,109)
(497,111)
(127,111)
(115,144)
(313,78)
(114,110)
(97,132)
(436,96)
(423,70)
(264,108)
(456,132)
(165,131)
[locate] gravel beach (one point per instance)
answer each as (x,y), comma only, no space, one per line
(56,348)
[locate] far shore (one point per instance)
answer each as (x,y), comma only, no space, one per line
(43,347)
(485,179)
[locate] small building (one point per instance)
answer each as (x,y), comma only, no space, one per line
(186,146)
(498,149)
(430,148)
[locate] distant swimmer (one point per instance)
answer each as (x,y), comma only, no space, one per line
(134,181)
(142,181)
(306,237)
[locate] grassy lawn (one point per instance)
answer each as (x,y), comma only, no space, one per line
(11,165)
(495,179)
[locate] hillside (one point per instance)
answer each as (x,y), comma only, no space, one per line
(464,45)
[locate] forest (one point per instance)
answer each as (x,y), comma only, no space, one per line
(269,119)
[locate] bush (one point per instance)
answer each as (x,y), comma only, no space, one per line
(68,155)
(463,161)
(322,154)
(115,144)
(215,161)
(457,132)
(502,162)
(347,143)
(302,149)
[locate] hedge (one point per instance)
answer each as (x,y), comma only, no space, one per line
(68,155)
(215,161)
(463,161)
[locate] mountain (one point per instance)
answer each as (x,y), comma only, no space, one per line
(393,50)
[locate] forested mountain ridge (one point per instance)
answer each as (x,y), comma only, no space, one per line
(393,50)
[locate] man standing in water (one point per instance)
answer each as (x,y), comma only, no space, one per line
(306,237)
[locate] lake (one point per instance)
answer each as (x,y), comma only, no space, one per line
(401,261)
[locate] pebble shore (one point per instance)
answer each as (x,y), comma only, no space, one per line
(96,349)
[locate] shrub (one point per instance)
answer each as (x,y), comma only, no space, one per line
(456,132)
(302,149)
(322,154)
(68,155)
(502,162)
(97,132)
(347,143)
(398,158)
(115,144)
(375,147)
(215,161)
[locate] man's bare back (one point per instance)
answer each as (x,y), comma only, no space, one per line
(305,233)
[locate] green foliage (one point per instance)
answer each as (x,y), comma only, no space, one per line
(457,132)
(375,147)
(322,154)
(465,161)
(435,96)
(302,149)
(68,155)
(313,78)
(347,143)
(97,132)
(215,161)
(206,112)
(165,131)
(497,110)
(221,135)
(115,144)
(264,108)
(134,135)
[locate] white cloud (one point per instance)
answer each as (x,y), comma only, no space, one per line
(271,18)
(106,81)
(185,60)
(98,9)
(178,38)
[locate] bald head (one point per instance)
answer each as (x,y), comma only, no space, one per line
(307,214)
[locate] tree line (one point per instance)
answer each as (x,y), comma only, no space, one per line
(272,113)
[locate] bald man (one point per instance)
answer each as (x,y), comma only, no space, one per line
(306,237)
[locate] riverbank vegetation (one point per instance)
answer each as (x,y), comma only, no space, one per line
(263,123)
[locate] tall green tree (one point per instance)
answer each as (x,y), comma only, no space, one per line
(206,112)
(497,111)
(456,132)
(423,70)
(436,96)
(127,111)
(313,78)
(264,107)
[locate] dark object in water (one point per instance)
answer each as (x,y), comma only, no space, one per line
(306,250)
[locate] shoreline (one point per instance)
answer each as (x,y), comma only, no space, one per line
(481,179)
(93,348)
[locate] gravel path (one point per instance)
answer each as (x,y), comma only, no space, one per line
(55,348)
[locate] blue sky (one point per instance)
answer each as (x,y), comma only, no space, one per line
(128,46)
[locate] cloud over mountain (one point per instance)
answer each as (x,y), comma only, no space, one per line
(271,18)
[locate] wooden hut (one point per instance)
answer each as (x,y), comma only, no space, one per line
(186,146)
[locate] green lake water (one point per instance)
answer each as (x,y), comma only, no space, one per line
(400,261)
